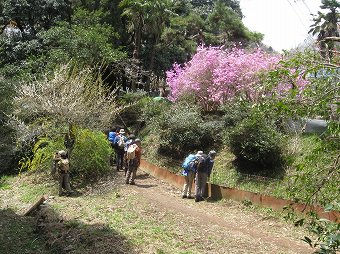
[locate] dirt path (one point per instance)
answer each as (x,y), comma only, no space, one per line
(149,217)
(239,230)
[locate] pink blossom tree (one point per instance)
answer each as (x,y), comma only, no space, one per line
(215,76)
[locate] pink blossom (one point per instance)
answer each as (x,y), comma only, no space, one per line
(215,75)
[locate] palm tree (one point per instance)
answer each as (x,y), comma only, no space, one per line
(146,21)
(157,17)
(135,11)
(326,25)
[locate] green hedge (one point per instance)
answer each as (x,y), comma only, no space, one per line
(257,145)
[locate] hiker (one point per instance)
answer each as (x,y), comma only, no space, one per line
(203,171)
(111,137)
(133,156)
(63,169)
(189,166)
(119,144)
(129,142)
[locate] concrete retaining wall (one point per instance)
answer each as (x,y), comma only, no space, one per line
(219,192)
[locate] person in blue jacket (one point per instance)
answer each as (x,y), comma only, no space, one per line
(111,137)
(189,171)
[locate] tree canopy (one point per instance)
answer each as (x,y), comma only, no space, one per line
(39,34)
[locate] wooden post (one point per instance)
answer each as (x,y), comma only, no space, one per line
(35,206)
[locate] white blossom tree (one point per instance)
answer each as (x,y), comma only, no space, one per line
(68,98)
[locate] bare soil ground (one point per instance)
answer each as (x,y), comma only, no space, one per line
(151,217)
(237,230)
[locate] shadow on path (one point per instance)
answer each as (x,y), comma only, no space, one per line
(145,186)
(48,233)
(143,176)
(17,234)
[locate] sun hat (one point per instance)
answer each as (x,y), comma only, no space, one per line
(199,153)
(62,153)
(121,131)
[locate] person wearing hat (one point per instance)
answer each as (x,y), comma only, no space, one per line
(204,168)
(119,143)
(130,141)
(134,161)
(63,169)
(189,166)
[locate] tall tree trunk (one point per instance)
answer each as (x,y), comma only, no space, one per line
(151,63)
(138,38)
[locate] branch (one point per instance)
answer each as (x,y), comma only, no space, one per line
(332,38)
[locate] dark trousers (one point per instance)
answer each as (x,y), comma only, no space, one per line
(64,182)
(131,171)
(120,159)
(200,183)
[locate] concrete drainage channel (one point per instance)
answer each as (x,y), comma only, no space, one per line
(217,192)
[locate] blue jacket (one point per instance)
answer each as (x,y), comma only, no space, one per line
(112,136)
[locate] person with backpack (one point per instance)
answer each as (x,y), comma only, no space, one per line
(189,170)
(133,157)
(111,137)
(63,169)
(129,142)
(204,167)
(119,144)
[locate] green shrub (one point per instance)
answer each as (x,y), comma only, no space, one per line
(139,109)
(257,144)
(42,154)
(234,113)
(89,158)
(152,109)
(180,129)
(91,155)
(316,171)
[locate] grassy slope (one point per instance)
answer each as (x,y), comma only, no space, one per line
(307,160)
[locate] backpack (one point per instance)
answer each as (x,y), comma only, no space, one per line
(64,166)
(127,144)
(121,142)
(112,136)
(187,163)
(203,163)
(130,154)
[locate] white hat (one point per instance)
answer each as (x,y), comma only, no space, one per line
(199,153)
(121,131)
(62,153)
